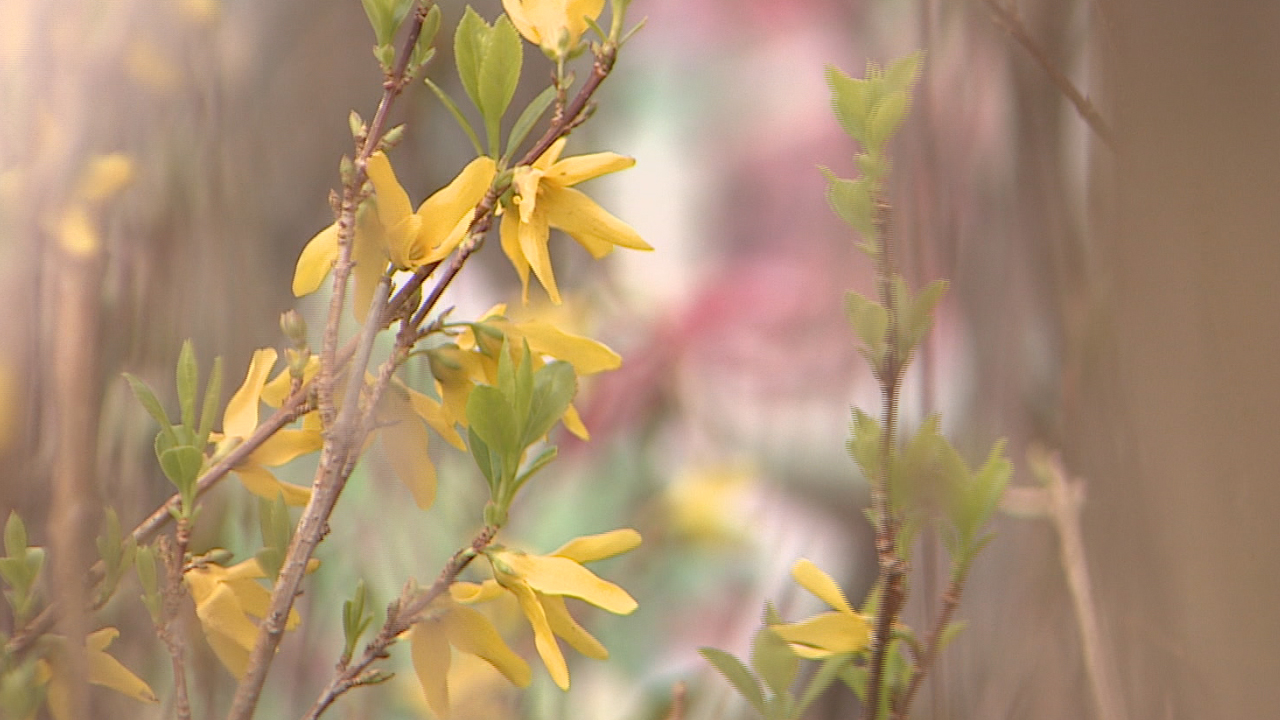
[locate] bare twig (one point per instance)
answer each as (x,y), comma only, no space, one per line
(1012,23)
(926,659)
(174,556)
(400,617)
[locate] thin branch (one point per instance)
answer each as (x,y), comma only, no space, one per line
(400,617)
(926,660)
(1012,23)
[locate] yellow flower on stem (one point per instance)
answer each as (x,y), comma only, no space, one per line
(544,198)
(541,582)
(239,421)
(225,597)
(104,670)
(556,26)
(389,231)
(448,624)
(831,633)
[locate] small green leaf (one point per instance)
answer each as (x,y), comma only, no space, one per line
(379,16)
(864,444)
(212,401)
(522,392)
(885,119)
(902,74)
(773,661)
(15,535)
(453,109)
(499,76)
(854,202)
(148,399)
(485,460)
(554,386)
(855,677)
(188,375)
(851,100)
(821,680)
(277,530)
(919,320)
(543,459)
(870,322)
(528,118)
(469,43)
(737,674)
(145,562)
(181,465)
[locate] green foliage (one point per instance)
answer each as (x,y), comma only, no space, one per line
(20,568)
(116,552)
(277,530)
(355,619)
(489,58)
(145,562)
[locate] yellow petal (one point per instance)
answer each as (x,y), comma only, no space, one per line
(524,24)
(590,548)
(549,158)
(509,234)
(471,632)
(568,629)
(525,182)
(812,578)
(431,411)
(105,176)
(553,575)
(276,390)
(241,416)
(447,214)
(316,260)
(431,658)
(404,441)
(580,168)
(573,423)
(370,256)
(591,225)
(393,201)
(576,12)
(285,445)
(469,592)
(533,236)
(226,628)
(543,638)
(587,356)
(835,632)
(76,232)
(108,672)
(261,482)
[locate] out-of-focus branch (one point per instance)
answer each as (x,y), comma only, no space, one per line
(1009,20)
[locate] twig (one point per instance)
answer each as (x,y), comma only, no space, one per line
(1009,20)
(174,556)
(1064,512)
(925,661)
(400,617)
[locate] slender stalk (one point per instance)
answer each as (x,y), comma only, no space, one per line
(926,659)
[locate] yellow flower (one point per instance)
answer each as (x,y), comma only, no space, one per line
(459,367)
(556,26)
(540,584)
(104,670)
(389,231)
(239,421)
(225,597)
(839,631)
(449,624)
(544,199)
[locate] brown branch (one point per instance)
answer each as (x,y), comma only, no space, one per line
(401,616)
(1009,20)
(926,660)
(174,557)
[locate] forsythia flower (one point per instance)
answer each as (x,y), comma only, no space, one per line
(240,419)
(556,26)
(104,670)
(839,631)
(389,231)
(540,584)
(225,597)
(544,199)
(449,624)
(457,368)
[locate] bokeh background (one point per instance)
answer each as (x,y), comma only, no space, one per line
(1112,304)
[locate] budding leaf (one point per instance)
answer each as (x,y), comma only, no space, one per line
(854,202)
(772,657)
(870,321)
(737,674)
(524,124)
(188,375)
(851,100)
(469,50)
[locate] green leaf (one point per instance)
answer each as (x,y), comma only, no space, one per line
(737,674)
(773,661)
(181,465)
(277,530)
(919,319)
(499,76)
(543,459)
(145,563)
(15,535)
(855,677)
(914,470)
(870,322)
(188,375)
(851,100)
(902,74)
(469,50)
(147,398)
(453,109)
(821,680)
(379,14)
(885,119)
(355,619)
(554,386)
(423,50)
(490,466)
(528,118)
(864,444)
(212,401)
(854,202)
(522,395)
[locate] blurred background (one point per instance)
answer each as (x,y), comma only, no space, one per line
(1112,301)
